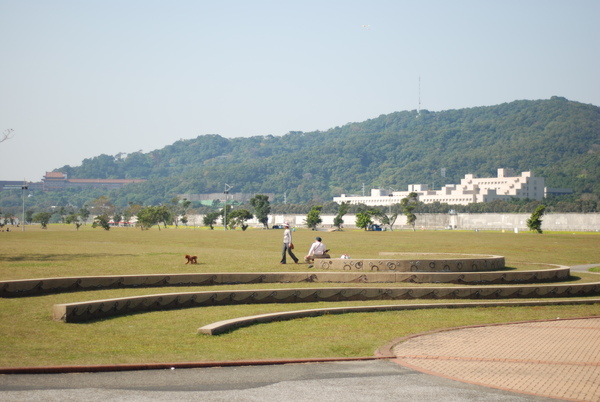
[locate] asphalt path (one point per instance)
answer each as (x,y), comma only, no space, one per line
(584,268)
(371,380)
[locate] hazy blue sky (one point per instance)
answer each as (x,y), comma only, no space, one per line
(82,78)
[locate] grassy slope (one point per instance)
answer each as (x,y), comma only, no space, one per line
(29,337)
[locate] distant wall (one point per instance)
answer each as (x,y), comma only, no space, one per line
(551,222)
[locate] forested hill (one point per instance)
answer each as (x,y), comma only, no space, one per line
(556,138)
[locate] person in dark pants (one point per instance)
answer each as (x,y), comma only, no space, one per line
(287,244)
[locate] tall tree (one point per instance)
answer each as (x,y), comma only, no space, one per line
(29,216)
(84,213)
(262,208)
(363,220)
(165,215)
(408,206)
(131,211)
(74,219)
(62,212)
(380,216)
(338,221)
(239,218)
(43,218)
(184,205)
(210,219)
(102,221)
(117,218)
(313,218)
(175,210)
(150,216)
(103,206)
(534,223)
(393,215)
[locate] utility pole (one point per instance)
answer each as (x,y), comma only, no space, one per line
(23,188)
(227,188)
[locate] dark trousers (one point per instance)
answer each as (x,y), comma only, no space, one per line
(289,250)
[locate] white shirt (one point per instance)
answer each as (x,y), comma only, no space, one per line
(287,236)
(317,248)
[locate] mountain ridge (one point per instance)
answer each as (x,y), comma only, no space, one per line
(555,138)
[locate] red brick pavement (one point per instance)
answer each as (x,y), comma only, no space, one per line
(557,359)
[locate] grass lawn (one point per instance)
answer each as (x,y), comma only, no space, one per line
(29,337)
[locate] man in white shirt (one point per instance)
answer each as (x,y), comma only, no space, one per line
(317,250)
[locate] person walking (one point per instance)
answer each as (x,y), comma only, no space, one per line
(287,245)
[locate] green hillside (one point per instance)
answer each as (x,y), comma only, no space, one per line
(556,138)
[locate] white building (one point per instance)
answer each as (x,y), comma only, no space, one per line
(470,190)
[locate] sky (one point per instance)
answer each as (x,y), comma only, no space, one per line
(83,78)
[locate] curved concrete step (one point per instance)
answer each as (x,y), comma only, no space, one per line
(97,309)
(43,286)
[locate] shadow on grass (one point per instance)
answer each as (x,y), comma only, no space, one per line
(507,269)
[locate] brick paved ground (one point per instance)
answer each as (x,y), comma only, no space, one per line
(558,359)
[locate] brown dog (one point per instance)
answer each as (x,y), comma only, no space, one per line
(191,259)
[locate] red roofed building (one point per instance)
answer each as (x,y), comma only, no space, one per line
(54,181)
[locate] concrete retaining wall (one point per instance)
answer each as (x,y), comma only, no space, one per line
(509,222)
(220,327)
(35,287)
(98,309)
(474,264)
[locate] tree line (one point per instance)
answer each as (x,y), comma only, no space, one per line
(105,214)
(235,214)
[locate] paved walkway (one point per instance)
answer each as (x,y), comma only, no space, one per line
(556,359)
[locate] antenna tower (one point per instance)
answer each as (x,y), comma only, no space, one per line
(419,107)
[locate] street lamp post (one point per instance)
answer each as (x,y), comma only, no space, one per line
(23,188)
(227,188)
